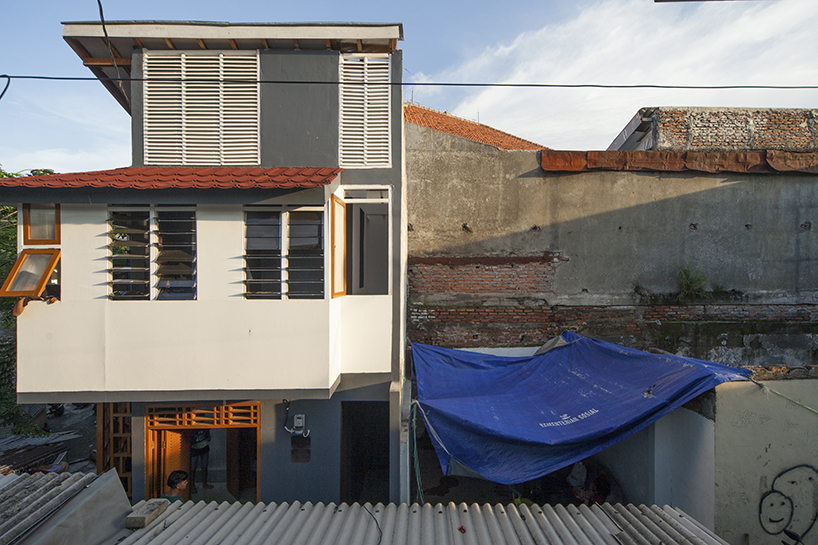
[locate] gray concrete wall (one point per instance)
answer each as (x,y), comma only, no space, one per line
(299,122)
(766,476)
(320,478)
(752,233)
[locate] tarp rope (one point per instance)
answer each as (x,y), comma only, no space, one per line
(768,389)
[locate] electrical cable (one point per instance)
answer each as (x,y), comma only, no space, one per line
(8,82)
(111,51)
(380,532)
(415,454)
(442,83)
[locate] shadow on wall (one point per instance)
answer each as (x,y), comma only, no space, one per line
(746,232)
(791,503)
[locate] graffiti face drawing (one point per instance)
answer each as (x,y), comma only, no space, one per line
(775,512)
(791,503)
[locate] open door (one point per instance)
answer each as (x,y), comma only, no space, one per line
(168,450)
(241,461)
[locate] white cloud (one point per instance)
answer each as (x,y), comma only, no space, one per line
(639,42)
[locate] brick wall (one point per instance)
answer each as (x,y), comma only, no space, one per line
(459,302)
(498,275)
(735,129)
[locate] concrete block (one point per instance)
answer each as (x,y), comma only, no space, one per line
(146,512)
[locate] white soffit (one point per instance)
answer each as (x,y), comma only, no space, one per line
(235,31)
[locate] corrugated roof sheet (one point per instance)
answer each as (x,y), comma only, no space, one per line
(27,500)
(445,122)
(256,524)
(747,162)
(184,178)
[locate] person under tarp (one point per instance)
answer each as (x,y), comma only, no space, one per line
(511,420)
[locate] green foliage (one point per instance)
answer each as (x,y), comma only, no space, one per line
(11,414)
(692,284)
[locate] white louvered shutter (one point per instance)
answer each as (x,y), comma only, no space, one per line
(365,135)
(210,117)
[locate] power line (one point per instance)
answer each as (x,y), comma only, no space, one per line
(435,83)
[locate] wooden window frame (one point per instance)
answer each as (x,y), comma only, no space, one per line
(27,240)
(41,283)
(338,208)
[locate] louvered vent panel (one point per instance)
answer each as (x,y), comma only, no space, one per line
(206,112)
(365,135)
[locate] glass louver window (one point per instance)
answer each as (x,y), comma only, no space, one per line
(305,258)
(129,233)
(284,254)
(152,252)
(176,254)
(262,258)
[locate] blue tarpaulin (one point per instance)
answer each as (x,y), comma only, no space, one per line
(511,420)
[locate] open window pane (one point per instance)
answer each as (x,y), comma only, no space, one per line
(41,223)
(339,268)
(30,273)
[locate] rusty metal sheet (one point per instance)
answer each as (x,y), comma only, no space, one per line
(744,162)
(788,161)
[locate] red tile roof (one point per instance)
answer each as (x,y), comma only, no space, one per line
(184,178)
(444,122)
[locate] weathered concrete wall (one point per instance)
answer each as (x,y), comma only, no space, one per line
(751,233)
(766,462)
(503,254)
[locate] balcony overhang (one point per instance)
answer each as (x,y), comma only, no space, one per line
(110,59)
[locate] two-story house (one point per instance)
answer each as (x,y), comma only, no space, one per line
(245,274)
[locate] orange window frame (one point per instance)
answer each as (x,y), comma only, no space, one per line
(27,227)
(41,283)
(339,285)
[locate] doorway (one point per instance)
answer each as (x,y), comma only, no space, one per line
(365,451)
(235,430)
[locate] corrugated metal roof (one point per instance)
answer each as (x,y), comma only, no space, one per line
(256,524)
(27,500)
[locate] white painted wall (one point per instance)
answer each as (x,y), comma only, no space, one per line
(767,447)
(685,464)
(87,343)
(671,462)
(366,333)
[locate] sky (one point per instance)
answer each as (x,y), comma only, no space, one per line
(78,126)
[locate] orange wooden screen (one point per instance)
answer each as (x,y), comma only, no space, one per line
(167,447)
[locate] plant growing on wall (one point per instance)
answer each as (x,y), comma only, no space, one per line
(692,284)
